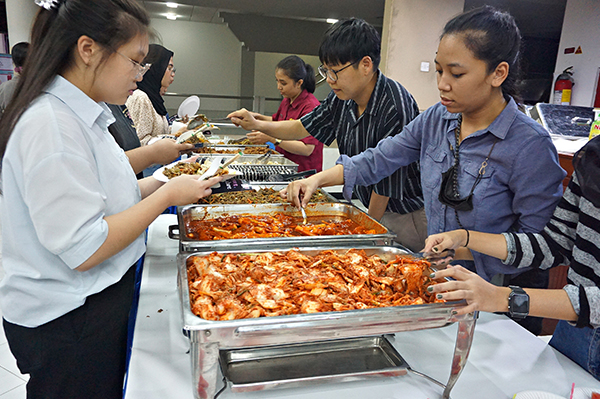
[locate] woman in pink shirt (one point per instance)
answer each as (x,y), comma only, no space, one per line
(296,83)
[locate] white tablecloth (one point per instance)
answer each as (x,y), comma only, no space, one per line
(505,358)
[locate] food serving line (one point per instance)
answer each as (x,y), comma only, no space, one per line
(504,359)
(294,351)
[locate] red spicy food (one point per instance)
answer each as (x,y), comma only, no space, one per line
(266,226)
(239,286)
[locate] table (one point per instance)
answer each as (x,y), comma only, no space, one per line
(505,358)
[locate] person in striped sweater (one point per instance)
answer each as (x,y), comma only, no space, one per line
(571,237)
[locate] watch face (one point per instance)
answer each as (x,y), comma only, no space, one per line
(518,303)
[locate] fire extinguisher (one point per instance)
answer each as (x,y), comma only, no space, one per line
(563,87)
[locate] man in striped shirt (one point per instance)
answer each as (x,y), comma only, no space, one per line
(363,108)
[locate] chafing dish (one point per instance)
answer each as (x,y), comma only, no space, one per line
(383,235)
(209,338)
(278,187)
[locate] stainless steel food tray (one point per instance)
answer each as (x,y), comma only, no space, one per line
(297,365)
(208,337)
(279,187)
(187,213)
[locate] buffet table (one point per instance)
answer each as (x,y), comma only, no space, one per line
(505,358)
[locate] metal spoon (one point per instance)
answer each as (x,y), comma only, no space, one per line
(300,197)
(303,215)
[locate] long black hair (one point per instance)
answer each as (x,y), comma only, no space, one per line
(295,68)
(349,41)
(494,37)
(55,32)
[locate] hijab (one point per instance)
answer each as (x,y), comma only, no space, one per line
(586,163)
(159,57)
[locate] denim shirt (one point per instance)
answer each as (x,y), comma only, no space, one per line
(521,186)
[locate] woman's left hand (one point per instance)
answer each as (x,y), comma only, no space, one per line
(479,294)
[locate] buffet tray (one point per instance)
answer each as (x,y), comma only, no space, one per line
(383,235)
(278,187)
(208,338)
(304,364)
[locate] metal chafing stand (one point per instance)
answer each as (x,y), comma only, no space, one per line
(208,338)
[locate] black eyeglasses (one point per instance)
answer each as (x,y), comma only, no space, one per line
(142,68)
(332,74)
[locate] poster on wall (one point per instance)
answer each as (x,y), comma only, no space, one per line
(6,62)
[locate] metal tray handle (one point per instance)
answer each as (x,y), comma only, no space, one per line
(174,232)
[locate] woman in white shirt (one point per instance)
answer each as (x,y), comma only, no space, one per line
(73,214)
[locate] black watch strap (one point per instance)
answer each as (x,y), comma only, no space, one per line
(518,303)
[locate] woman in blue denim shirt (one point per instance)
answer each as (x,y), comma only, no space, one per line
(571,237)
(501,167)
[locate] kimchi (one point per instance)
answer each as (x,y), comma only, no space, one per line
(238,286)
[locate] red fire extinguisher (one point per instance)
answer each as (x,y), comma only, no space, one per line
(563,87)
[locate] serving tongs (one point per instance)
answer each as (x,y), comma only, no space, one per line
(437,258)
(217,166)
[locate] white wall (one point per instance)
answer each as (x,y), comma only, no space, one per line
(19,17)
(207,59)
(264,77)
(411,31)
(581,27)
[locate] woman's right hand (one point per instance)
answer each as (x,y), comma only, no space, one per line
(257,137)
(299,192)
(188,189)
(244,118)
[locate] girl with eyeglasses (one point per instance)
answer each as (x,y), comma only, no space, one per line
(571,237)
(484,164)
(146,105)
(73,213)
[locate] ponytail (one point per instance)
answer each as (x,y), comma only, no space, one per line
(295,68)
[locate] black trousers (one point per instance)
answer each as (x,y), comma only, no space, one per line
(80,355)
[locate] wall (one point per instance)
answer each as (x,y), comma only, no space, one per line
(207,59)
(411,31)
(19,17)
(264,77)
(581,27)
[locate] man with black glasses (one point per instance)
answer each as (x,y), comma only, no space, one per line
(363,108)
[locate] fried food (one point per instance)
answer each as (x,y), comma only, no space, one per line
(262,196)
(239,286)
(191,168)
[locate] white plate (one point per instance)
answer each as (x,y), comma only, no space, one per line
(189,106)
(158,173)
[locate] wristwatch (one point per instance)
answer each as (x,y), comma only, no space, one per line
(277,141)
(518,303)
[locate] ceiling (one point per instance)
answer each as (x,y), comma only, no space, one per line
(297,26)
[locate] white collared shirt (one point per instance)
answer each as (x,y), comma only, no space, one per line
(62,174)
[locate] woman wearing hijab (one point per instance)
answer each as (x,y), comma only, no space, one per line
(146,105)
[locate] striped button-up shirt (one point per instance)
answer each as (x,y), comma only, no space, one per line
(390,108)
